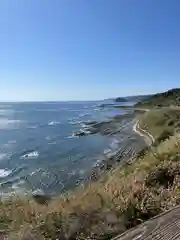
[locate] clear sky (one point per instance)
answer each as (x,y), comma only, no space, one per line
(88,49)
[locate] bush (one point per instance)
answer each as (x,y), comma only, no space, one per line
(170,123)
(161,176)
(177,125)
(165,135)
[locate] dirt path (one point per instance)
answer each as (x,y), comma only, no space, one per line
(149,139)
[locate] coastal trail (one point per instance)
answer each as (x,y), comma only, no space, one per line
(149,139)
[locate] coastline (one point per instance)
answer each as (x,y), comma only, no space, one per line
(130,143)
(124,144)
(124,195)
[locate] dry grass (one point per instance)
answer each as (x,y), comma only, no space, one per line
(129,196)
(161,123)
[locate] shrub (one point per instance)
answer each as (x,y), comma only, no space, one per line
(165,135)
(170,123)
(163,175)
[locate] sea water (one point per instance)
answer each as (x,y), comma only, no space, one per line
(37,149)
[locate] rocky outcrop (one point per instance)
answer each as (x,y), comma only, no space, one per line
(78,134)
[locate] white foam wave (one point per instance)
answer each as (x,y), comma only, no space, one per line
(72,173)
(83,114)
(32,173)
(9,124)
(112,154)
(30,155)
(72,136)
(6,112)
(4,173)
(4,156)
(38,192)
(75,122)
(115,144)
(35,172)
(83,125)
(106,151)
(52,123)
(18,185)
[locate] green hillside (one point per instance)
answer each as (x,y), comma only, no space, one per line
(120,99)
(171,97)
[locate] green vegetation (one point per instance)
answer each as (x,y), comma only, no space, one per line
(137,98)
(128,196)
(161,123)
(169,98)
(120,99)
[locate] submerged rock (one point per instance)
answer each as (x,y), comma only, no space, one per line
(86,131)
(40,197)
(92,130)
(80,133)
(30,155)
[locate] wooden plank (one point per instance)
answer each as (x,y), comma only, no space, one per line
(163,227)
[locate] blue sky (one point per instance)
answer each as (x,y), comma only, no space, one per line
(88,49)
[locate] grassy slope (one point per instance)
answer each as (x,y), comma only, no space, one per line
(129,196)
(171,97)
(161,123)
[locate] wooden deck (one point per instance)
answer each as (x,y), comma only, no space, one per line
(163,227)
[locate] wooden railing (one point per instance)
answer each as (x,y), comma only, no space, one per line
(165,226)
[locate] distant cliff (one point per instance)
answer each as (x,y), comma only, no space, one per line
(136,98)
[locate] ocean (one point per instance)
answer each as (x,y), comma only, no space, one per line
(38,151)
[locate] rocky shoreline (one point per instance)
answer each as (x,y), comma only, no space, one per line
(126,143)
(129,145)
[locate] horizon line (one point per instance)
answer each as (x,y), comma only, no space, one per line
(89,100)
